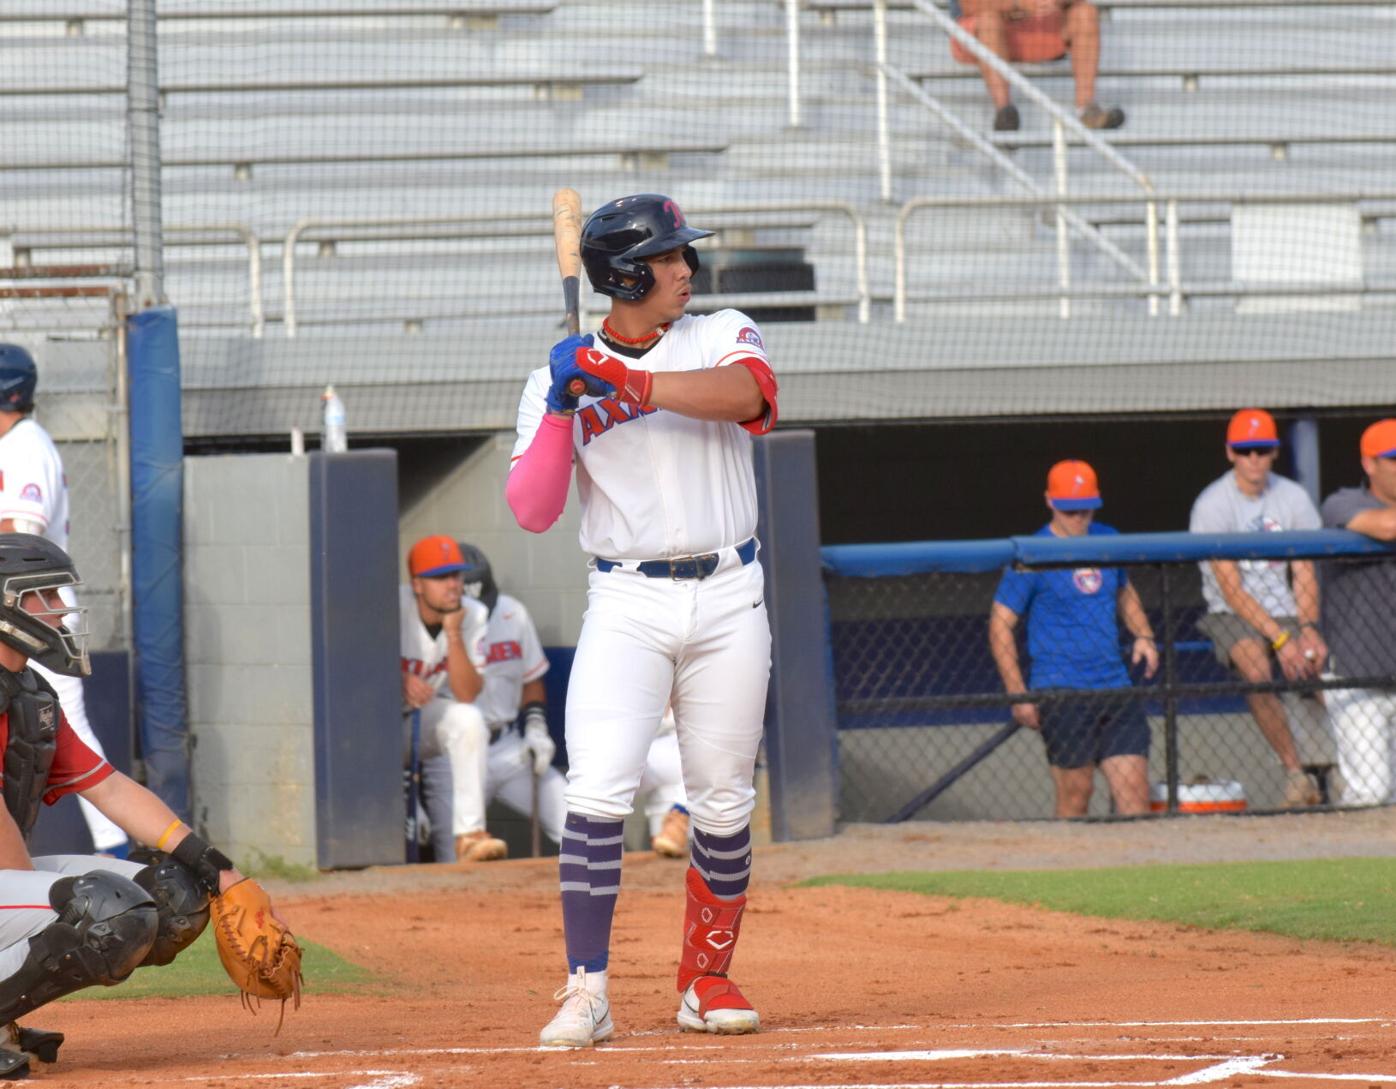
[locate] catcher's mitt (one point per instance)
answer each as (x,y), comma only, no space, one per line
(259,954)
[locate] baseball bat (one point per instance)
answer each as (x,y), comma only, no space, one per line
(535,828)
(414,787)
(567,242)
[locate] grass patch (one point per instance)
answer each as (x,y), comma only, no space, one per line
(1350,899)
(198,971)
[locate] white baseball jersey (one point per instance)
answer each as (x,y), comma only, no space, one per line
(654,484)
(513,657)
(425,654)
(33,486)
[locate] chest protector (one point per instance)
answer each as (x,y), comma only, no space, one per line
(32,708)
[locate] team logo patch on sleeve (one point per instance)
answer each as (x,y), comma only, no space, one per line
(748,335)
(31,491)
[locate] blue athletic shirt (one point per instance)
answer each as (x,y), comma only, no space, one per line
(1073,630)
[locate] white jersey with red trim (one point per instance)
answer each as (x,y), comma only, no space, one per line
(655,484)
(33,486)
(513,657)
(425,654)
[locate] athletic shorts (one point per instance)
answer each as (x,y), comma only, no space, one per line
(1227,629)
(1082,733)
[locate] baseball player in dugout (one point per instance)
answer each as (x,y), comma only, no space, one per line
(1254,612)
(657,410)
(34,499)
(441,633)
(513,702)
(74,921)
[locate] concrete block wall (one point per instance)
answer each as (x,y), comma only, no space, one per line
(247,649)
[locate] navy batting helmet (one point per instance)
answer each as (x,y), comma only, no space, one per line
(18,377)
(618,236)
(479,579)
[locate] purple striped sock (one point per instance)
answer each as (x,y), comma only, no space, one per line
(724,862)
(589,866)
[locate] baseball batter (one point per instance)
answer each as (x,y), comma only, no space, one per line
(73,921)
(34,499)
(440,635)
(676,610)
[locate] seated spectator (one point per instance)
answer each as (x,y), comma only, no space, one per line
(1253,613)
(1360,620)
(441,634)
(1029,31)
(1074,642)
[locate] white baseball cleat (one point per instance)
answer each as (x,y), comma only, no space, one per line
(585,1017)
(713,1004)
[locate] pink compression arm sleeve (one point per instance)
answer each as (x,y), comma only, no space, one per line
(537,488)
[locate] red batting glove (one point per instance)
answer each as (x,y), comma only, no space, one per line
(632,386)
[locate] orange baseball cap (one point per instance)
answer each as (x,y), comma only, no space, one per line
(1252,428)
(1379,440)
(433,556)
(1071,485)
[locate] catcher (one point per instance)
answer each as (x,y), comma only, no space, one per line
(73,921)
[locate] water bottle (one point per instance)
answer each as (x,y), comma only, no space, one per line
(334,439)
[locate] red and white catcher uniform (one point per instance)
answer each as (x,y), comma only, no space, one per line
(34,495)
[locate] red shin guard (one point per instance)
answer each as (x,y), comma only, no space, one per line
(710,928)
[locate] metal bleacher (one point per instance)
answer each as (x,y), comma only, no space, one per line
(377,123)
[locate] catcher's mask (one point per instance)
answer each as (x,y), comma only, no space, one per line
(479,579)
(30,566)
(617,237)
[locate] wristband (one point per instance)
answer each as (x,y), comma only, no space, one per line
(160,843)
(1279,640)
(535,711)
(207,862)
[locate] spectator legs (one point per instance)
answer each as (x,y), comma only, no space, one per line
(1082,34)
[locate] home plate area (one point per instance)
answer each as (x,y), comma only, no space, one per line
(1085,1054)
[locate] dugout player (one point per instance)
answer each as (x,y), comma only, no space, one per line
(675,605)
(1253,612)
(34,499)
(440,633)
(74,921)
(1073,642)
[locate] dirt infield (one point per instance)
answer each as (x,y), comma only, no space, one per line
(856,987)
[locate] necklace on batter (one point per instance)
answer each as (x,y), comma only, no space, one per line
(608,331)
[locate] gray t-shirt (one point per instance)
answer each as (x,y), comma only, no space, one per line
(1224,508)
(1359,598)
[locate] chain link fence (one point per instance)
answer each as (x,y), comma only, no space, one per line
(927,731)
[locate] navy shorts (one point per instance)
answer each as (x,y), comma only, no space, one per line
(1082,733)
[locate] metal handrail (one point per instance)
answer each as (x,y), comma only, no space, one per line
(81,238)
(306,227)
(1174,289)
(1062,122)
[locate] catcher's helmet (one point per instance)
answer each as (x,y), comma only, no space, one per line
(618,236)
(28,564)
(479,579)
(18,377)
